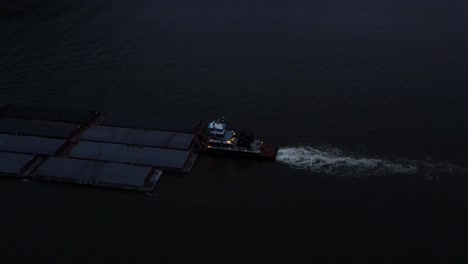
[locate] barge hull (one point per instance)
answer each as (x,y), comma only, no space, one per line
(242,154)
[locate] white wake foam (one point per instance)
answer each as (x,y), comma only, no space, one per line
(334,161)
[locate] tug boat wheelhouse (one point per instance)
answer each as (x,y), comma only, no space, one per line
(223,141)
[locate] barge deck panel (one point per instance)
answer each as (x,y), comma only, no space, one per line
(50,114)
(11,164)
(36,127)
(151,138)
(152,123)
(30,144)
(99,173)
(168,159)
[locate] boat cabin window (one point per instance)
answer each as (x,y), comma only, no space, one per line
(217,131)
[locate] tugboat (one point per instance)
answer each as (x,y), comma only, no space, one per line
(222,141)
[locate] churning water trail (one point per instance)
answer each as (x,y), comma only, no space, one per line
(334,161)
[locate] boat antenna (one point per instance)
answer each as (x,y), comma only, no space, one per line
(222,119)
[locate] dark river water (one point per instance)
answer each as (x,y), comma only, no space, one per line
(367,100)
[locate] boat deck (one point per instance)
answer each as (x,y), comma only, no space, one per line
(94,148)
